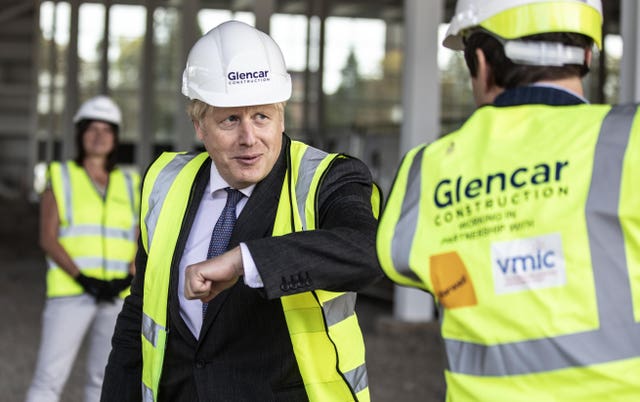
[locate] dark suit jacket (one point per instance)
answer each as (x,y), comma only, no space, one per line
(244,352)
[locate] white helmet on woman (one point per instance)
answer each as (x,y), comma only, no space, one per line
(99,107)
(234,64)
(513,19)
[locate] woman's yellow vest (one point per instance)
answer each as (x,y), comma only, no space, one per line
(98,233)
(525,226)
(323,326)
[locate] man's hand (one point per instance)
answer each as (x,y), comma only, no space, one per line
(206,279)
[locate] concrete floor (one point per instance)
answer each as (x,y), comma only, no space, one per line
(405,362)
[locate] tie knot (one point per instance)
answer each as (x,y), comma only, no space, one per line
(233,196)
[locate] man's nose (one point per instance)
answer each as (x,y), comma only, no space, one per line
(247,132)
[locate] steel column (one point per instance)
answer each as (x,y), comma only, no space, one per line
(421,117)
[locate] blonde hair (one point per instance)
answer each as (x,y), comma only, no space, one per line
(198,110)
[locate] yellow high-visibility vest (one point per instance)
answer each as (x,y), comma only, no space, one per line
(326,338)
(98,233)
(525,227)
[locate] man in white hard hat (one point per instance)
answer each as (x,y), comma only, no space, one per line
(88,226)
(249,252)
(524,224)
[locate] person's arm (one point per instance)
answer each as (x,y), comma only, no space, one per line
(49,227)
(132,265)
(206,279)
(123,374)
(338,256)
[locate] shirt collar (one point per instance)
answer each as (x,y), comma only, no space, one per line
(217,183)
(544,94)
(560,88)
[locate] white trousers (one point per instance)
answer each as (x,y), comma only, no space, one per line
(65,322)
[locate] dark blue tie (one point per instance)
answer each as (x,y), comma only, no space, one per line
(222,231)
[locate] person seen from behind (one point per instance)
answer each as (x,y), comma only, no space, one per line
(524,224)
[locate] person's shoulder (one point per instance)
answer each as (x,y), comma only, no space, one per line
(347,166)
(342,164)
(170,163)
(129,171)
(180,157)
(350,160)
(182,154)
(630,106)
(58,163)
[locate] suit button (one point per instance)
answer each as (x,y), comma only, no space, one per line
(200,364)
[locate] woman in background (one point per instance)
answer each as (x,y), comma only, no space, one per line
(88,230)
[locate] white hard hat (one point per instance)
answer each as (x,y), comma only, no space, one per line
(512,19)
(100,107)
(235,64)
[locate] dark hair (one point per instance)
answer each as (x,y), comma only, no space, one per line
(507,74)
(81,129)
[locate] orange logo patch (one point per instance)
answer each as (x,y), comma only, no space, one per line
(452,284)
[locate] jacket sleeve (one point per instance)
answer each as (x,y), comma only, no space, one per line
(123,374)
(339,255)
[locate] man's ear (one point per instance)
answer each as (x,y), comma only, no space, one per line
(198,128)
(588,56)
(484,72)
(484,84)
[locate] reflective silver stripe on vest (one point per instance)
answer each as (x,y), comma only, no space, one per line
(308,165)
(342,307)
(150,329)
(357,378)
(130,190)
(339,308)
(160,189)
(618,335)
(88,230)
(96,262)
(405,229)
(335,311)
(97,230)
(66,188)
(147,394)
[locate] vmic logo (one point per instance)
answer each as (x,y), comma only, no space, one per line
(527,262)
(531,263)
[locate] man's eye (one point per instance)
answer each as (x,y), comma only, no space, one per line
(228,122)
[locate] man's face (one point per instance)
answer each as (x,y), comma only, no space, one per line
(243,142)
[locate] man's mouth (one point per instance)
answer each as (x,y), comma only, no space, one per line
(248,159)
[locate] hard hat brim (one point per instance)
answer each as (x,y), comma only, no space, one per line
(531,19)
(279,90)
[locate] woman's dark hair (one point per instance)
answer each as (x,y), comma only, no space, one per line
(81,129)
(507,74)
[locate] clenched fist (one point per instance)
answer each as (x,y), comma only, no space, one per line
(206,279)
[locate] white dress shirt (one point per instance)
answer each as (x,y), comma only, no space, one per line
(197,246)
